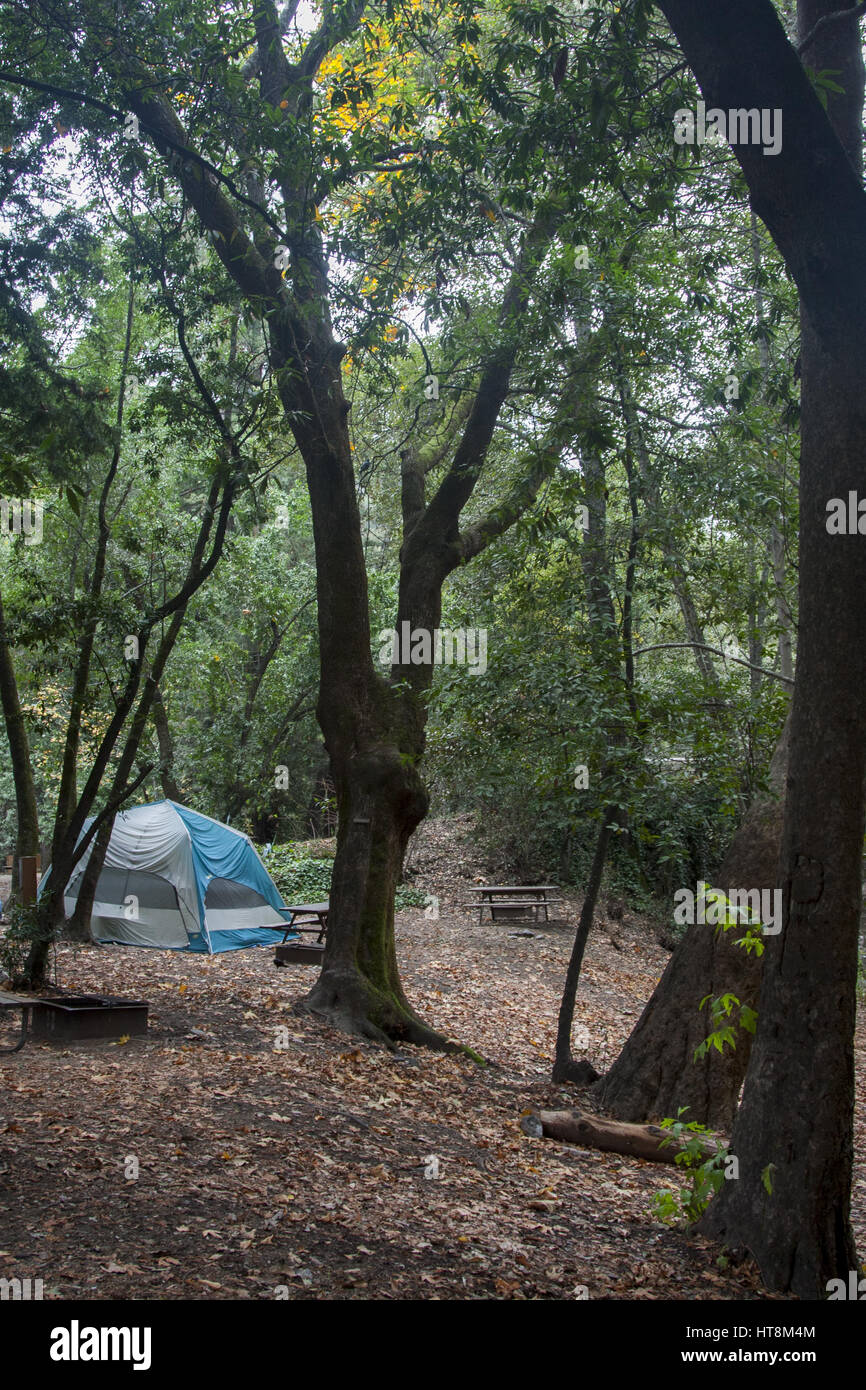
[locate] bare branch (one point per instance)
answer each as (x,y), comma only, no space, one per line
(726,656)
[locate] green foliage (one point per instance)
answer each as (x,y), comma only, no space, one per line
(409,896)
(724,1006)
(722,1010)
(25,927)
(302,872)
(706,1174)
(423,231)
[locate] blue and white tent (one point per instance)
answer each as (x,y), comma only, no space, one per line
(179,881)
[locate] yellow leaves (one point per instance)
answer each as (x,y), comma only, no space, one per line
(381,63)
(391,332)
(330,66)
(182,989)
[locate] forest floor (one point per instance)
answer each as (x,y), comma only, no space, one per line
(300,1173)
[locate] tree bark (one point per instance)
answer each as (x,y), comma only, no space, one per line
(795,1122)
(170,789)
(793,1134)
(655,1074)
(606,655)
(26,807)
(79,923)
(564,1067)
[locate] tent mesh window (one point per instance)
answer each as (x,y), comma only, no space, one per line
(223,894)
(116,885)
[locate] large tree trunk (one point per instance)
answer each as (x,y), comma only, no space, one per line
(26,809)
(380,804)
(793,1134)
(374,737)
(795,1122)
(656,1074)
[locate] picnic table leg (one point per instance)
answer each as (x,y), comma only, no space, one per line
(25,1014)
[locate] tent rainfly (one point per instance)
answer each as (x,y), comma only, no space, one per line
(179,881)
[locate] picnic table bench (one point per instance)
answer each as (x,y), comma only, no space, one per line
(508,901)
(26,1005)
(309,919)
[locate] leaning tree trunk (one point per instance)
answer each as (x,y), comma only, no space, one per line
(26,809)
(79,923)
(606,654)
(656,1074)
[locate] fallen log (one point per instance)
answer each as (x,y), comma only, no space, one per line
(592,1132)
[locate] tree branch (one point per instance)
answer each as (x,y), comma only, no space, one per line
(855,13)
(667,646)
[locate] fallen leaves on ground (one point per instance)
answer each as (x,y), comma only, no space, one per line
(204,1161)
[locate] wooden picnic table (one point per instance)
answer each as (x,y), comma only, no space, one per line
(310,918)
(305,917)
(26,1005)
(509,900)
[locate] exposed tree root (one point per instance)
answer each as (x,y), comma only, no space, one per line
(578,1073)
(347,1002)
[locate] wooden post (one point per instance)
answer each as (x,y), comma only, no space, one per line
(27,871)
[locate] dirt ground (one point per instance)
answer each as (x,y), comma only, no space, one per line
(242,1151)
